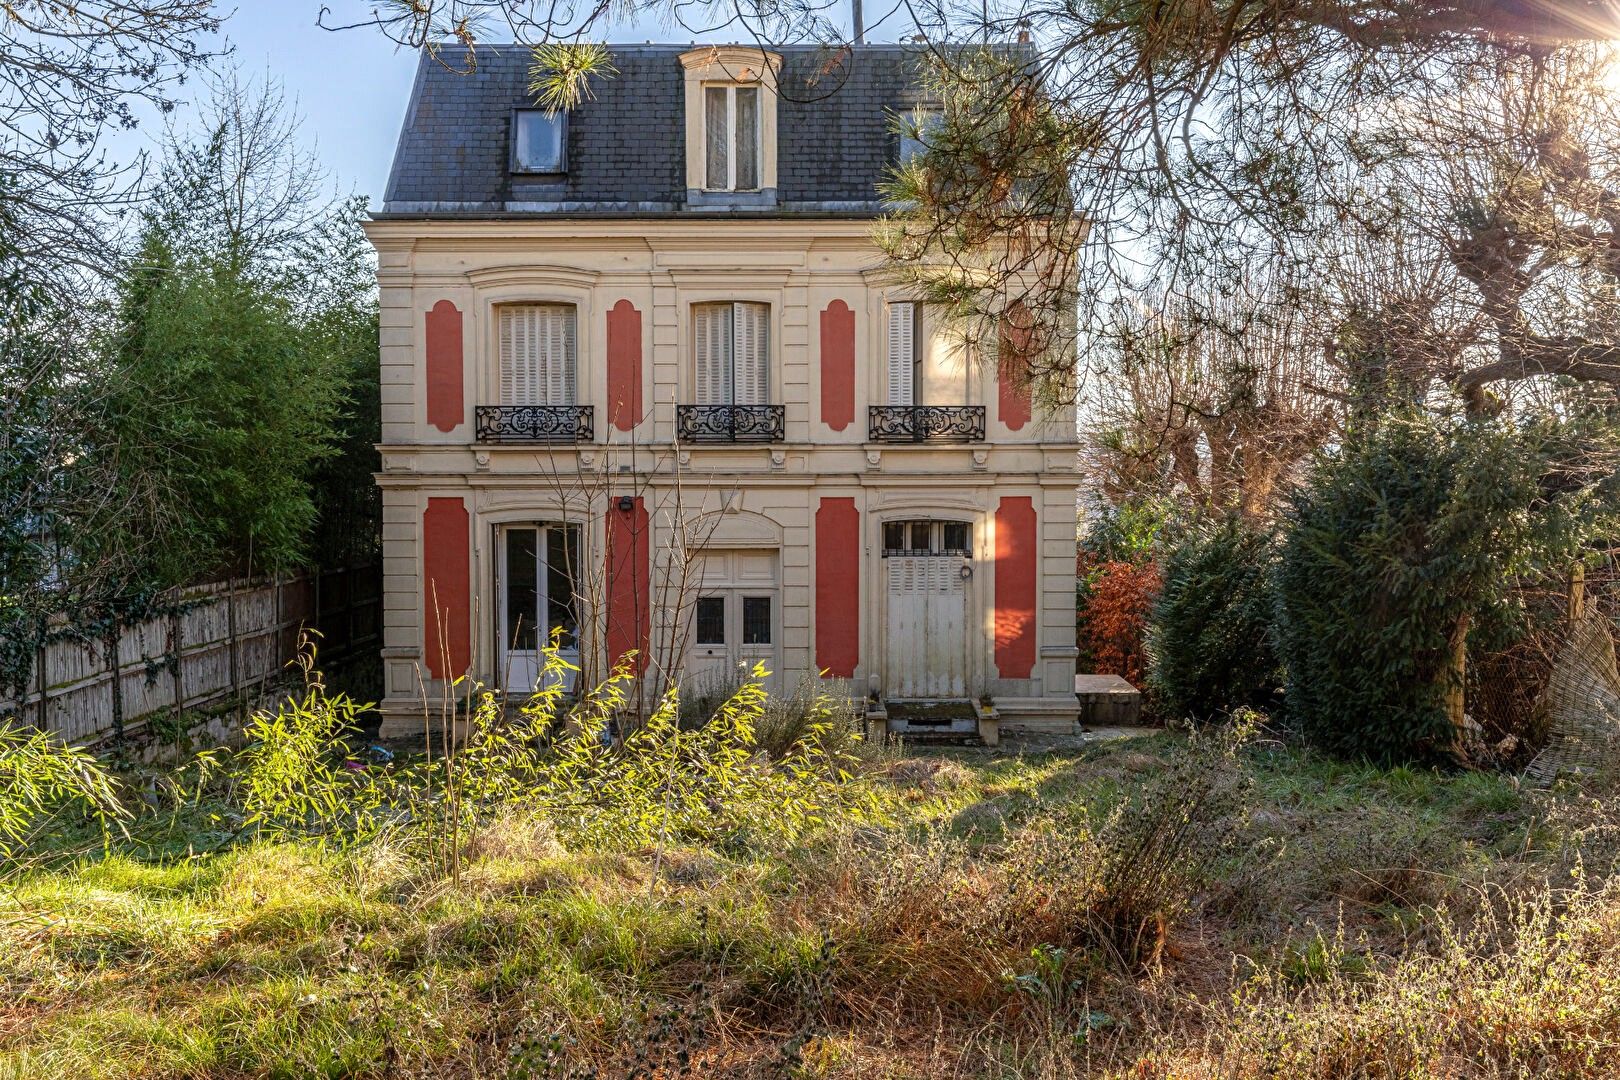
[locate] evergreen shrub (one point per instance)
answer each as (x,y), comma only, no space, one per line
(1413,532)
(1209,634)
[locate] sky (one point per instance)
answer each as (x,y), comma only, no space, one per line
(350,89)
(351,86)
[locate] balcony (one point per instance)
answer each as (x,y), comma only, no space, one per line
(534,424)
(729,423)
(925,423)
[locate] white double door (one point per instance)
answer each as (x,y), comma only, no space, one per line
(926,644)
(538,568)
(736,619)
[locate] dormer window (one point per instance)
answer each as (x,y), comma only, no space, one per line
(731,137)
(729,102)
(917,132)
(539,141)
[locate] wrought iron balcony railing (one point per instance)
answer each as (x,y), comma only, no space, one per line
(926,423)
(729,423)
(534,423)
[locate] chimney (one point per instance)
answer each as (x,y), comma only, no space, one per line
(858,22)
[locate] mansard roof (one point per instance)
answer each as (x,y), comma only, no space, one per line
(625,152)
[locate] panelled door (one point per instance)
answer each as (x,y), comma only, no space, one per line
(736,618)
(538,564)
(927,566)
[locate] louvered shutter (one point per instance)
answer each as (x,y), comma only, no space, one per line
(902,353)
(557,354)
(752,353)
(519,362)
(711,348)
(537,354)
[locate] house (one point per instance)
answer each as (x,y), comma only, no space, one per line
(645,382)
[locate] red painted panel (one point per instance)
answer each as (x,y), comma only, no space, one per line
(629,600)
(837,366)
(838,586)
(624,365)
(445,409)
(1017,555)
(446,588)
(1012,369)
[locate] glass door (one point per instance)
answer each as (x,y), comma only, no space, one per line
(538,567)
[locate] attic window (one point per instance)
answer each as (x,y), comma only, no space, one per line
(729,101)
(539,141)
(731,137)
(917,132)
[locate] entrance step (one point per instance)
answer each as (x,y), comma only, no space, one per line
(939,722)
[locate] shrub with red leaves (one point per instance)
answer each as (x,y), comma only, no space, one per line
(1113,618)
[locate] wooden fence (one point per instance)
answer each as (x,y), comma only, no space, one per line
(226,643)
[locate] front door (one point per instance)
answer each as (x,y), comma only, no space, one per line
(538,566)
(927,565)
(735,620)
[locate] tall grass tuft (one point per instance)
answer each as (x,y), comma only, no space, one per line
(41,778)
(293,782)
(554,758)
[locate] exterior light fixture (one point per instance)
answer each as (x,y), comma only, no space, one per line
(626,503)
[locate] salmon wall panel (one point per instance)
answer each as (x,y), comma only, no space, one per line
(629,600)
(838,587)
(837,366)
(446,587)
(1017,557)
(624,366)
(1012,386)
(445,407)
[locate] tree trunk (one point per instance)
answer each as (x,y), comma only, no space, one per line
(1456,676)
(1577,594)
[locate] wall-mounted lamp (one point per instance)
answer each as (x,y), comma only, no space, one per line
(626,503)
(966,571)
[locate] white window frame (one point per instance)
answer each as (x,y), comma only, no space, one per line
(548,383)
(731,136)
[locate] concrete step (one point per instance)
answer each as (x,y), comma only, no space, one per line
(1107,701)
(949,722)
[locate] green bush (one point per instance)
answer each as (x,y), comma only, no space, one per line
(1413,532)
(1209,635)
(1130,531)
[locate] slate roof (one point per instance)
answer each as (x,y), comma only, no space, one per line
(626,147)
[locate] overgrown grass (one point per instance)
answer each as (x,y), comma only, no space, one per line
(1223,907)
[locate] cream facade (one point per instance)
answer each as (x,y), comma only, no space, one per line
(756,450)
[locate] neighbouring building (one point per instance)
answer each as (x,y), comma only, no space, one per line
(644,379)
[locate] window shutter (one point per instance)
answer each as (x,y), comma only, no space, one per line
(537,355)
(557,354)
(753,328)
(508,359)
(711,347)
(902,352)
(520,358)
(570,360)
